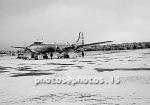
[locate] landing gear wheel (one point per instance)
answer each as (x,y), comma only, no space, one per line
(36,57)
(66,56)
(45,56)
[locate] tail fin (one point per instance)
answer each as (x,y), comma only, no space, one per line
(80,38)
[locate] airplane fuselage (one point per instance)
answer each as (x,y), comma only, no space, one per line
(43,48)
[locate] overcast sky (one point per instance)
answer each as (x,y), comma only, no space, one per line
(61,20)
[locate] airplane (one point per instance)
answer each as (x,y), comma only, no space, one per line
(38,48)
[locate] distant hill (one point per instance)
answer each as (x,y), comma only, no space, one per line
(6,52)
(123,46)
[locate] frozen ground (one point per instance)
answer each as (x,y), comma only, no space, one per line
(17,80)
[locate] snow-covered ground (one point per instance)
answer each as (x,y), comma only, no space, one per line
(132,68)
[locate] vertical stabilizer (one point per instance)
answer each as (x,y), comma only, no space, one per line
(80,39)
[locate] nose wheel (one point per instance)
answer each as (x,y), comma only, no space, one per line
(66,55)
(45,56)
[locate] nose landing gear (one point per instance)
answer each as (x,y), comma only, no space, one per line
(45,56)
(66,55)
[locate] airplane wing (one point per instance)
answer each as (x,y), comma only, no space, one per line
(18,47)
(79,46)
(25,48)
(68,48)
